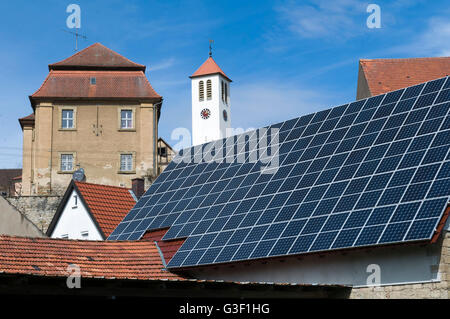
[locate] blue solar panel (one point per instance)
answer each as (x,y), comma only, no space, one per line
(375,171)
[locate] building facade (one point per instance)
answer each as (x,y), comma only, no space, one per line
(96,110)
(210,103)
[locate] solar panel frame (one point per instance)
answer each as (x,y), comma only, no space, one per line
(309,132)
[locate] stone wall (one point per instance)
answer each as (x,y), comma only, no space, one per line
(38,209)
(435,290)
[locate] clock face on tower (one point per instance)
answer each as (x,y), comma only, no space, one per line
(205,114)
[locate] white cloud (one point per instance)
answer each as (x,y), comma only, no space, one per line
(324,18)
(164,64)
(434,41)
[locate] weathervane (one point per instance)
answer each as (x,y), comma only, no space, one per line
(210,47)
(76,34)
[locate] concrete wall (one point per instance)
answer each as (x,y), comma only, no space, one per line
(439,289)
(12,222)
(38,209)
(96,142)
(75,220)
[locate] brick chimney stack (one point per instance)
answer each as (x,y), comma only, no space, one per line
(137,186)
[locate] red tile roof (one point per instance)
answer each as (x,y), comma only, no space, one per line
(209,67)
(27,120)
(116,77)
(96,56)
(168,248)
(108,259)
(108,204)
(384,75)
(109,85)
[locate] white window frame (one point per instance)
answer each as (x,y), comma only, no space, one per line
(66,120)
(126,162)
(64,162)
(128,119)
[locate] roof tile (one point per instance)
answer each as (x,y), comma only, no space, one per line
(109,259)
(384,75)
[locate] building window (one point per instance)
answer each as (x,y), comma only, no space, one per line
(201,91)
(126,162)
(223,91)
(93,80)
(162,151)
(67,119)
(226,93)
(65,236)
(208,90)
(126,119)
(66,162)
(84,234)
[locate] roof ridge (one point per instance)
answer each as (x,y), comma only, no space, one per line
(120,187)
(402,59)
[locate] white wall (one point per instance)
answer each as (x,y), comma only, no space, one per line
(74,220)
(214,127)
(398,264)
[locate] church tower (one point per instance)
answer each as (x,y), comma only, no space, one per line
(210,103)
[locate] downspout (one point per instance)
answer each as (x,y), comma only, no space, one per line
(155,139)
(51,153)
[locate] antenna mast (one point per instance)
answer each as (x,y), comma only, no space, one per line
(76,34)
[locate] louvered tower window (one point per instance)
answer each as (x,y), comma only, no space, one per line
(201,91)
(208,90)
(223,91)
(226,93)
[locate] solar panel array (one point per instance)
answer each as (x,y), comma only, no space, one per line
(372,172)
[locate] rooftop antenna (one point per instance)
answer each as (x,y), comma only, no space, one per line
(210,47)
(76,34)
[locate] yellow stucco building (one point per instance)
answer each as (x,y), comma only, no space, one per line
(96,110)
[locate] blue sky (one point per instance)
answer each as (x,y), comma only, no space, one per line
(286,58)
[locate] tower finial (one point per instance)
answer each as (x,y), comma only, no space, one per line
(210,48)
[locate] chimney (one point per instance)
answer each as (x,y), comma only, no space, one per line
(137,186)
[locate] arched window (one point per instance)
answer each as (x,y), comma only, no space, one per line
(223,92)
(208,90)
(201,91)
(226,93)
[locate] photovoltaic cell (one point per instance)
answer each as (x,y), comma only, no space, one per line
(371,172)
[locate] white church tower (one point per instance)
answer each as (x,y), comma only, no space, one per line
(210,103)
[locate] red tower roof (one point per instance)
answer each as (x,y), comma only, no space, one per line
(209,67)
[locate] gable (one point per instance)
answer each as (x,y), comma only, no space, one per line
(75,219)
